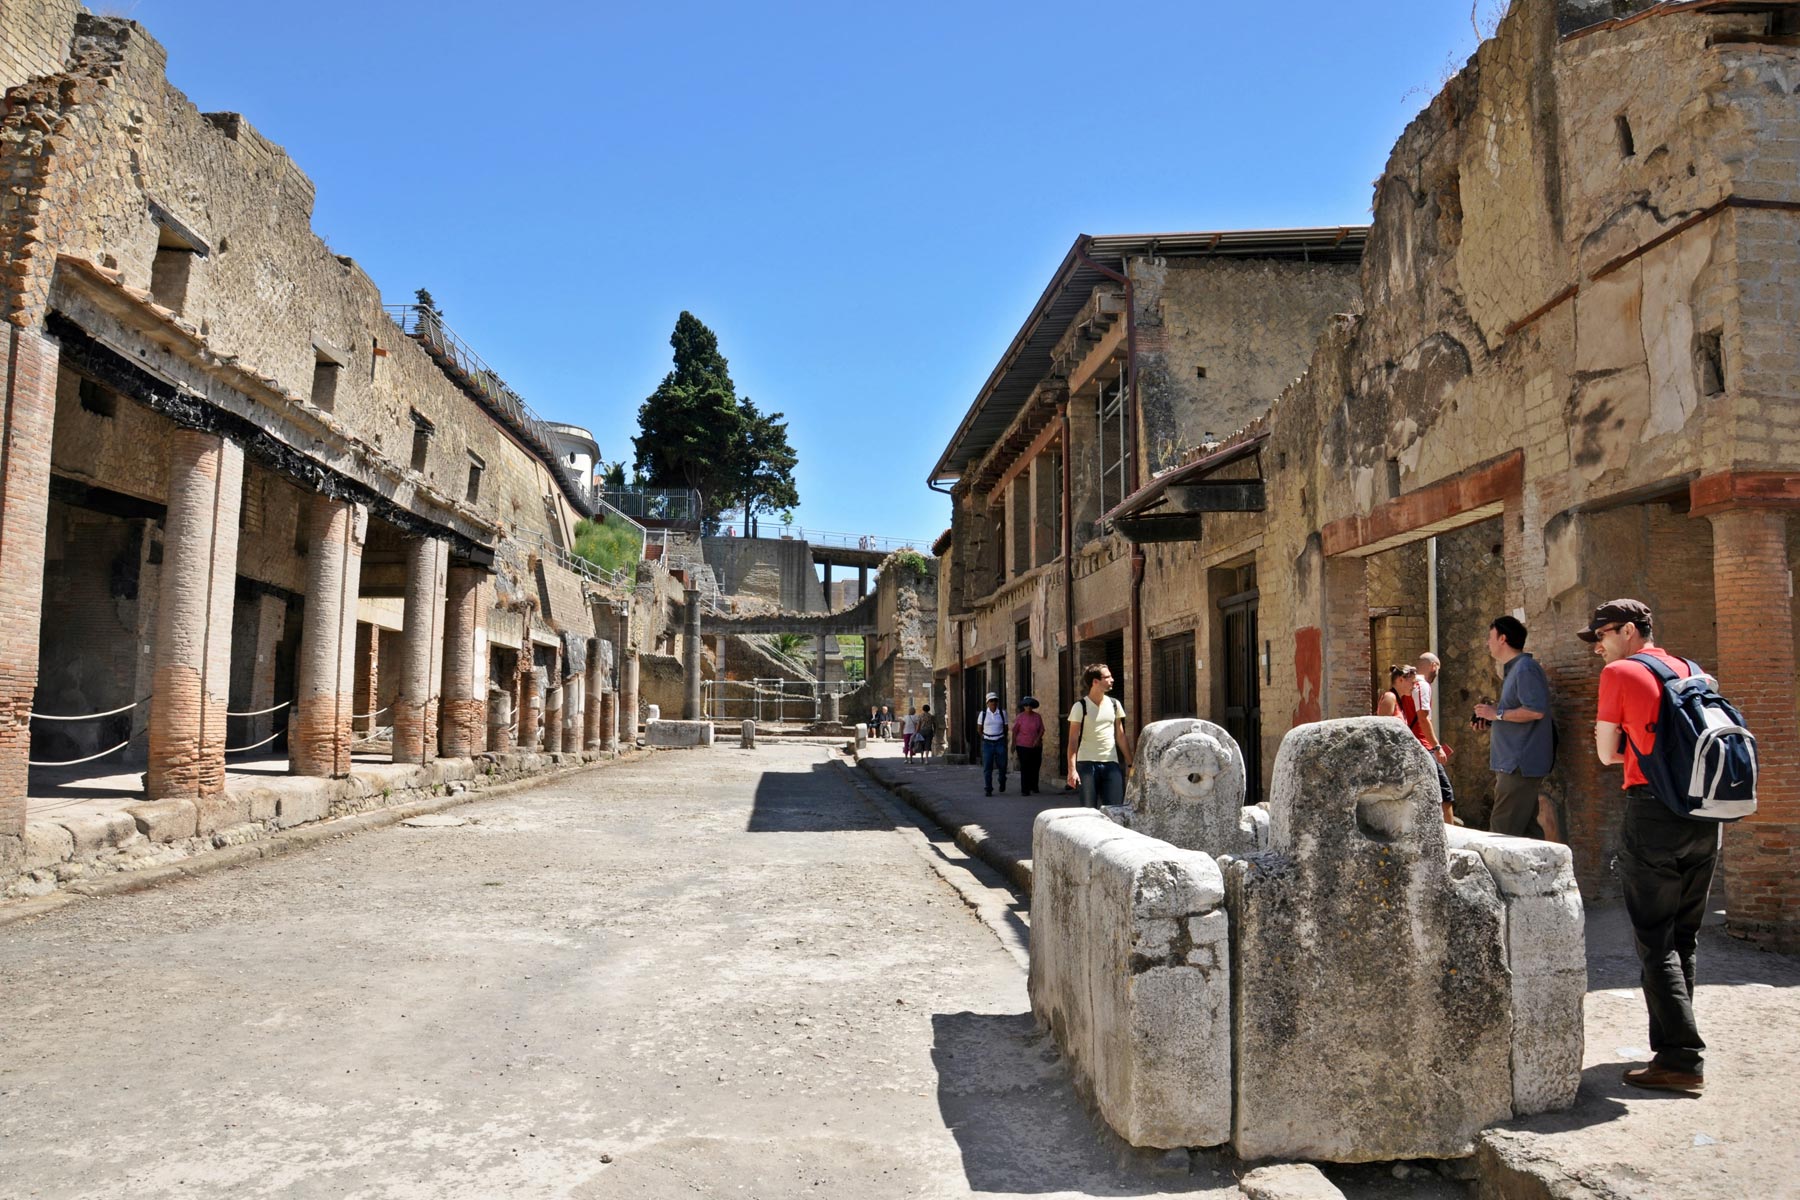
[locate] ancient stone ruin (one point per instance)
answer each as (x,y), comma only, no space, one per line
(1340,978)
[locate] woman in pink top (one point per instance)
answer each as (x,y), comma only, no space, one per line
(1028,744)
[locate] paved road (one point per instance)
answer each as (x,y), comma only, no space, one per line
(730,973)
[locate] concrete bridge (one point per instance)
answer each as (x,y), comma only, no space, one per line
(859,618)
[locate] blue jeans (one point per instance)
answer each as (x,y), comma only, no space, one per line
(1101,783)
(993,758)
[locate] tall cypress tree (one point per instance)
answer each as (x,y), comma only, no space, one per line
(691,425)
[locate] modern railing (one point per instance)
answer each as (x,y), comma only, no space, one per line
(655,504)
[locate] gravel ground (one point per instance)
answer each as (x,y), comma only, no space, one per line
(717,972)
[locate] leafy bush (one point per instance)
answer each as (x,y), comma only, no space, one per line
(907,560)
(611,547)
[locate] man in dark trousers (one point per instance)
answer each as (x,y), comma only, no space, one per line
(1521,741)
(1666,860)
(993,725)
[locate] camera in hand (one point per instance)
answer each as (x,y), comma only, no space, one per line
(1476,722)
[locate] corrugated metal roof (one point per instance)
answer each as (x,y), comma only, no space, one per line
(1027,360)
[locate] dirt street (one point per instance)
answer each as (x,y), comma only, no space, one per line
(724,973)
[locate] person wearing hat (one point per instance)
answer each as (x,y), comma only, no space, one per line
(1666,861)
(1028,744)
(993,743)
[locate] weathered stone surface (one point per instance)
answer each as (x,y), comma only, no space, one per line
(297,805)
(862,734)
(679,735)
(164,820)
(1188,790)
(749,735)
(1130,972)
(1372,999)
(94,832)
(46,843)
(1288,1181)
(1546,950)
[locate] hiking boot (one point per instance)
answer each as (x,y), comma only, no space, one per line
(1664,1080)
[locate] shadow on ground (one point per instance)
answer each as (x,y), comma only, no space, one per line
(812,801)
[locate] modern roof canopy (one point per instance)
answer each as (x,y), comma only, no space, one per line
(1027,360)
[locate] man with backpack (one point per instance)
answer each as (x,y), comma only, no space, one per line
(1099,743)
(993,724)
(1689,765)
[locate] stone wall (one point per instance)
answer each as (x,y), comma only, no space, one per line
(776,571)
(34,39)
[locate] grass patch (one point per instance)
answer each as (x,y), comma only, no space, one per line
(611,547)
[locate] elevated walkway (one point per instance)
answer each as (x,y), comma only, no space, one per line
(859,618)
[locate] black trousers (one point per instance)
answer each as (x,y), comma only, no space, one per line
(1031,761)
(1667,864)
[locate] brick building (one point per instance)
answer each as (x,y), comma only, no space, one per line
(1569,373)
(231,478)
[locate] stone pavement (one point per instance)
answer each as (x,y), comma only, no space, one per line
(711,972)
(995,829)
(1617,1143)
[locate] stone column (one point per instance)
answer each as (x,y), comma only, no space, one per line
(500,718)
(862,581)
(320,740)
(368,682)
(193,621)
(691,655)
(609,722)
(594,687)
(628,684)
(1754,617)
(553,706)
(574,712)
(421,652)
(464,725)
(264,637)
(531,699)
(825,570)
(28,365)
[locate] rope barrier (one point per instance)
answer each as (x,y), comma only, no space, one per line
(261,712)
(366,716)
(384,731)
(38,716)
(254,745)
(78,761)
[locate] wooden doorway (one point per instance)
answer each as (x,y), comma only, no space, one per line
(1242,681)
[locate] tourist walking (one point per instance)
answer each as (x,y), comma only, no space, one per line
(925,733)
(992,722)
(1099,743)
(1398,701)
(1666,860)
(1028,744)
(908,728)
(1521,738)
(1426,689)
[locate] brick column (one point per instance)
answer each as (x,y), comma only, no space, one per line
(28,387)
(531,699)
(367,679)
(500,714)
(1346,681)
(1753,614)
(320,739)
(465,663)
(628,699)
(594,689)
(192,655)
(421,652)
(553,711)
(573,714)
(609,722)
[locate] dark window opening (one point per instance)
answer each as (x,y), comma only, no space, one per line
(1627,144)
(421,446)
(1022,669)
(1172,667)
(476,466)
(101,401)
(324,383)
(170,273)
(1709,362)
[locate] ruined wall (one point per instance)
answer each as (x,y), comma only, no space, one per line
(1220,338)
(902,652)
(777,571)
(1537,282)
(34,38)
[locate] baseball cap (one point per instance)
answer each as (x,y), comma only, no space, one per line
(993,695)
(1614,612)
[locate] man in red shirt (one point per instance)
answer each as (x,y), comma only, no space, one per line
(1665,860)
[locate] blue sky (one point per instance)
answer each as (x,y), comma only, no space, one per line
(863,201)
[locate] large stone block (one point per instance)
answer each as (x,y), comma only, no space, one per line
(1130,971)
(679,735)
(1546,950)
(1288,1181)
(1372,998)
(46,844)
(164,820)
(95,832)
(748,734)
(1188,790)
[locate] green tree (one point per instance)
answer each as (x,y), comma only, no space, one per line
(691,425)
(764,464)
(612,476)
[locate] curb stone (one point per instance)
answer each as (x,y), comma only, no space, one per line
(971,837)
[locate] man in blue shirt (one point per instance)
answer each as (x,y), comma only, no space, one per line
(1522,746)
